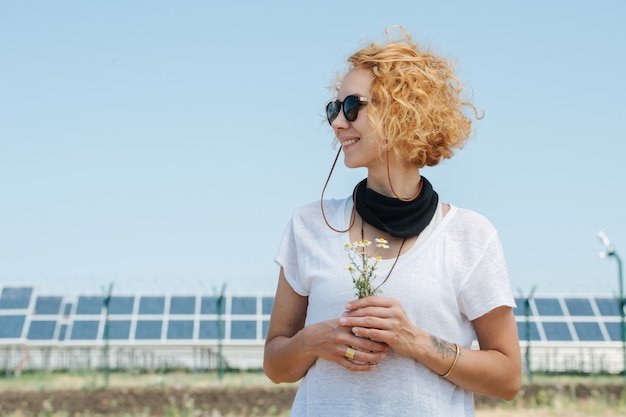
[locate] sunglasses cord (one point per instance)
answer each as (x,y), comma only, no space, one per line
(352,216)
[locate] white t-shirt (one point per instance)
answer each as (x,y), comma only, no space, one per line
(453,275)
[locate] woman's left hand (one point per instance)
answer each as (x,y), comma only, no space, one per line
(382,319)
(494,369)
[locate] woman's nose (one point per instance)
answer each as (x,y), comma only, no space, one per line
(340,122)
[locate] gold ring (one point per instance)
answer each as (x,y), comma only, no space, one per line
(350,353)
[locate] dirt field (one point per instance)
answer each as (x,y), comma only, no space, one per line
(249,399)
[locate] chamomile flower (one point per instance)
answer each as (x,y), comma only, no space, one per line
(363,266)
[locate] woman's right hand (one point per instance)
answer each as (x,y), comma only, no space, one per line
(333,342)
(291,348)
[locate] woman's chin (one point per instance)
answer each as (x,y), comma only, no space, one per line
(351,164)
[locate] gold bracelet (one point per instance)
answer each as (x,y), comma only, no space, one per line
(456,358)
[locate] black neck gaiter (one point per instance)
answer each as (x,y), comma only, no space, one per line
(396,217)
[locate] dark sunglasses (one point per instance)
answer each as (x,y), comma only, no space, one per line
(351,106)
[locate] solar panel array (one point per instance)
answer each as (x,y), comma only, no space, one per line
(26,316)
(42,319)
(559,318)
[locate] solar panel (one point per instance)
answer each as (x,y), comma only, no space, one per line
(608,306)
(63,332)
(534,332)
(121,305)
(208,305)
(41,330)
(48,305)
(11,326)
(89,305)
(180,329)
(85,330)
(266,325)
(151,305)
(243,305)
(579,307)
(548,306)
(119,329)
(183,305)
(209,330)
(243,329)
(614,330)
(588,331)
(557,331)
(148,329)
(268,303)
(15,298)
(67,310)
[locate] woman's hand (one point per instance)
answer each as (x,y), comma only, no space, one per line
(382,319)
(291,348)
(336,343)
(493,370)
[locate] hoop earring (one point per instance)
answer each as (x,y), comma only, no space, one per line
(419,188)
(352,216)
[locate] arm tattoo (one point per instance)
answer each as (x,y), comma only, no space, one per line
(445,349)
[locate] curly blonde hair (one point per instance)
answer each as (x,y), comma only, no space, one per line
(415,104)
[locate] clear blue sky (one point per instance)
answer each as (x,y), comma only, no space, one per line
(162,146)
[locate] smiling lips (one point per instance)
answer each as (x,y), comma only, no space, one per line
(349,142)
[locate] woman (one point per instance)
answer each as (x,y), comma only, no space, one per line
(441,276)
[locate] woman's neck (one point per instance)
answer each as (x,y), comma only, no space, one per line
(398,181)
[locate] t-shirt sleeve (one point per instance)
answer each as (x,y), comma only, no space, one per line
(287,258)
(487,284)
